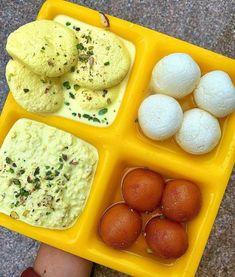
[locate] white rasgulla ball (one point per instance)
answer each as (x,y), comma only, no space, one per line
(160,116)
(175,75)
(199,133)
(215,93)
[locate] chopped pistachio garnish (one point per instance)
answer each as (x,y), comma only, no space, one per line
(104,20)
(25,213)
(76,87)
(14,215)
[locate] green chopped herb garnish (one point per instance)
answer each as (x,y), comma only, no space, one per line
(80,46)
(16,182)
(68,23)
(65,157)
(72,69)
(67,103)
(49,177)
(37,186)
(43,48)
(21,172)
(47,166)
(72,95)
(86,116)
(66,84)
(26,90)
(23,192)
(76,28)
(11,170)
(48,173)
(8,160)
(57,173)
(95,119)
(66,177)
(90,52)
(17,203)
(103,111)
(74,114)
(37,171)
(60,166)
(107,63)
(88,38)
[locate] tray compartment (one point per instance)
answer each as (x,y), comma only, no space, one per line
(222,157)
(139,261)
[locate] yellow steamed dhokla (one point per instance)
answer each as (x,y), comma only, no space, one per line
(32,92)
(103,60)
(46,47)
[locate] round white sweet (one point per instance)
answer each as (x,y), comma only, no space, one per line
(176,75)
(199,133)
(215,93)
(160,116)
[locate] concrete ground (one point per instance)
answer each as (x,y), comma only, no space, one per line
(210,24)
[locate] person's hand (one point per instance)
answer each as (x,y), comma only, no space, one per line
(52,262)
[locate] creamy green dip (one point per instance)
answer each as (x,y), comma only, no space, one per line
(45,175)
(83,108)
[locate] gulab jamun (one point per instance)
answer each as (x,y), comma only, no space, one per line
(167,239)
(142,189)
(181,200)
(120,226)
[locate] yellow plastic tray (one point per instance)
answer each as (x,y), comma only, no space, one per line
(122,145)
